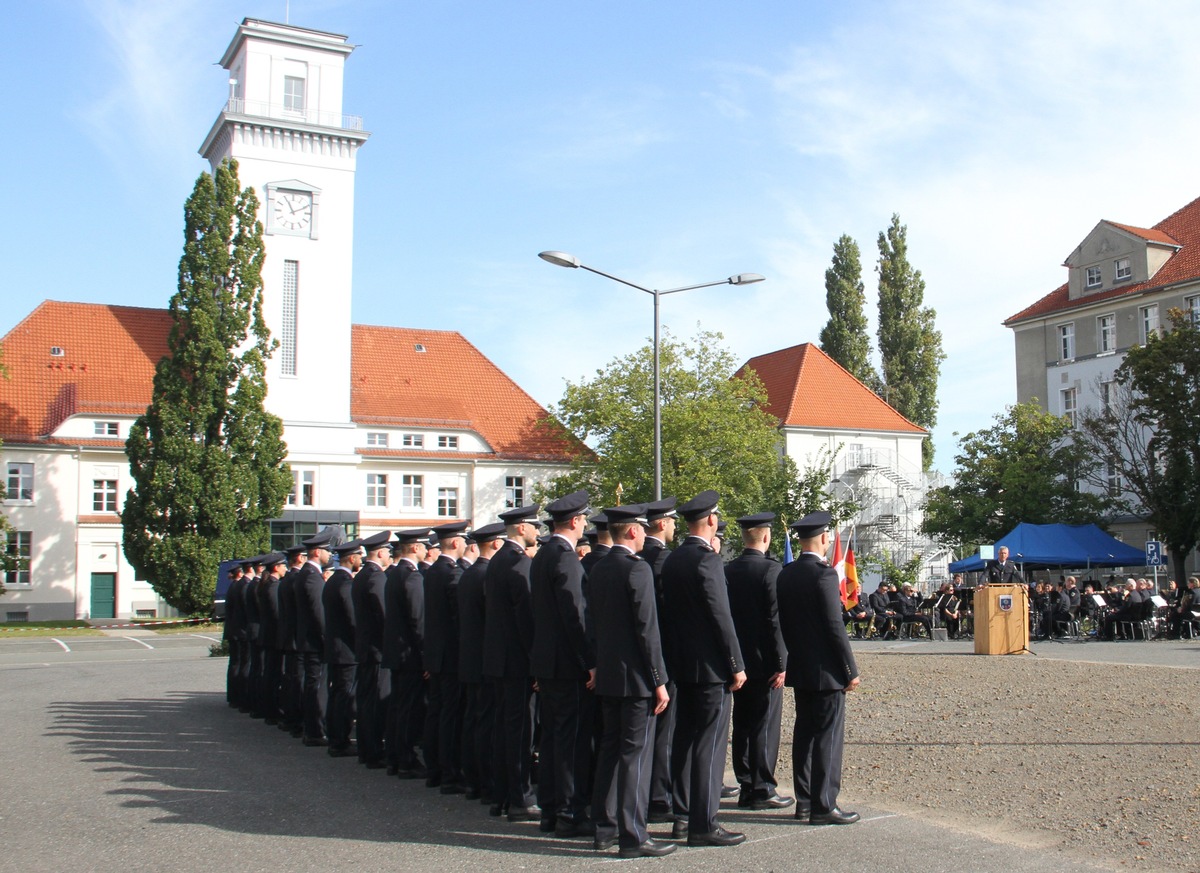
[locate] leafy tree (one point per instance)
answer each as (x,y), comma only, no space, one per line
(1148,435)
(844,337)
(715,432)
(1022,469)
(207,460)
(910,346)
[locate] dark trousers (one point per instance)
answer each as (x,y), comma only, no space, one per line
(698,753)
(272,676)
(664,732)
(405,718)
(313,700)
(242,680)
(254,681)
(340,709)
(443,729)
(479,720)
(565,752)
(513,741)
(621,796)
(372,685)
(757,711)
(817,747)
(292,689)
(233,672)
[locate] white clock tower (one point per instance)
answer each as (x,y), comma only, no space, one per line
(284,126)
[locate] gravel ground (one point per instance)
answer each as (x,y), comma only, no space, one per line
(1100,761)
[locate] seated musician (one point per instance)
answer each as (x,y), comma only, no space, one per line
(1187,608)
(950,607)
(858,614)
(885,616)
(1130,608)
(1055,610)
(906,608)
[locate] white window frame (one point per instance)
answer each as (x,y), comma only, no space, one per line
(412,440)
(514,491)
(19,544)
(1106,395)
(19,487)
(377,485)
(106,429)
(1070,404)
(1192,305)
(1122,270)
(1106,333)
(447,441)
(1066,341)
(1093,277)
(377,438)
(104,495)
(294,98)
(304,488)
(1149,320)
(447,503)
(412,491)
(1113,474)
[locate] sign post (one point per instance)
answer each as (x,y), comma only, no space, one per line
(1155,557)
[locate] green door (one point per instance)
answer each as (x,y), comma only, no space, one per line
(104,595)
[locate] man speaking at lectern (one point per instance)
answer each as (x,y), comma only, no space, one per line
(1002,571)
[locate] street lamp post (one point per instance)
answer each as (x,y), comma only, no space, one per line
(562,259)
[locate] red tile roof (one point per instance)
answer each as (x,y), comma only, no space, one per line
(1181,229)
(807,388)
(109,355)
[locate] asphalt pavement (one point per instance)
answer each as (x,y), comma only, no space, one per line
(121,755)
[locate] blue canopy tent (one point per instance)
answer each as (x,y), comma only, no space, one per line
(1039,546)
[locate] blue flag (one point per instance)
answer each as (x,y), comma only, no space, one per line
(787,549)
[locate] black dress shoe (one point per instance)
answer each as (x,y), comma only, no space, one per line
(744,798)
(453,788)
(679,830)
(315,741)
(834,816)
(728,791)
(547,825)
(659,813)
(498,809)
(473,794)
(717,837)
(523,813)
(649,849)
(375,765)
(568,828)
(803,812)
(393,770)
(413,773)
(342,752)
(601,844)
(773,801)
(270,721)
(433,781)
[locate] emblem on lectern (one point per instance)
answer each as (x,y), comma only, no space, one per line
(1005,601)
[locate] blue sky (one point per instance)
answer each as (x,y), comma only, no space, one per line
(668,143)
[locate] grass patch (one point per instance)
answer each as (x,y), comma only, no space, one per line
(26,630)
(209,627)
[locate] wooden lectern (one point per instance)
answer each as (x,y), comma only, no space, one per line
(1000,630)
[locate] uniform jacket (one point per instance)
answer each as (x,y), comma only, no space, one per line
(441,615)
(508,622)
(593,557)
(623,625)
(404,618)
(235,614)
(810,615)
(702,646)
(1005,574)
(250,612)
(471,618)
(561,649)
(310,611)
(339,618)
(752,602)
(366,594)
(287,609)
(268,611)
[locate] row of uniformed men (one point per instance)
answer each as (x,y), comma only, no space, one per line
(637,655)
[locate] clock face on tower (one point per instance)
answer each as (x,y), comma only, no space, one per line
(291,210)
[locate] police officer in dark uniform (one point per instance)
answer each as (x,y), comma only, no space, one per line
(563,663)
(234,636)
(706,661)
(443,717)
(757,705)
(252,662)
(820,669)
(292,681)
(403,640)
(340,645)
(274,567)
(372,682)
(310,636)
(507,641)
(660,516)
(479,711)
(1002,571)
(601,543)
(630,681)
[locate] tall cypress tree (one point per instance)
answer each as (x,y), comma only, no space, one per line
(844,337)
(910,346)
(207,460)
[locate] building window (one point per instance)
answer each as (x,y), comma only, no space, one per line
(412,490)
(377,439)
(287,325)
(1113,474)
(293,93)
(1069,405)
(105,428)
(304,488)
(514,491)
(413,440)
(1066,341)
(1149,317)
(20,481)
(1107,395)
(1093,277)
(104,495)
(1192,305)
(447,442)
(376,489)
(1106,333)
(19,547)
(447,502)
(1121,269)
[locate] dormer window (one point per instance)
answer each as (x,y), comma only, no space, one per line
(1093,277)
(447,442)
(105,428)
(377,438)
(1121,270)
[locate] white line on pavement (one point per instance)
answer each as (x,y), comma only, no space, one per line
(210,639)
(139,642)
(65,647)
